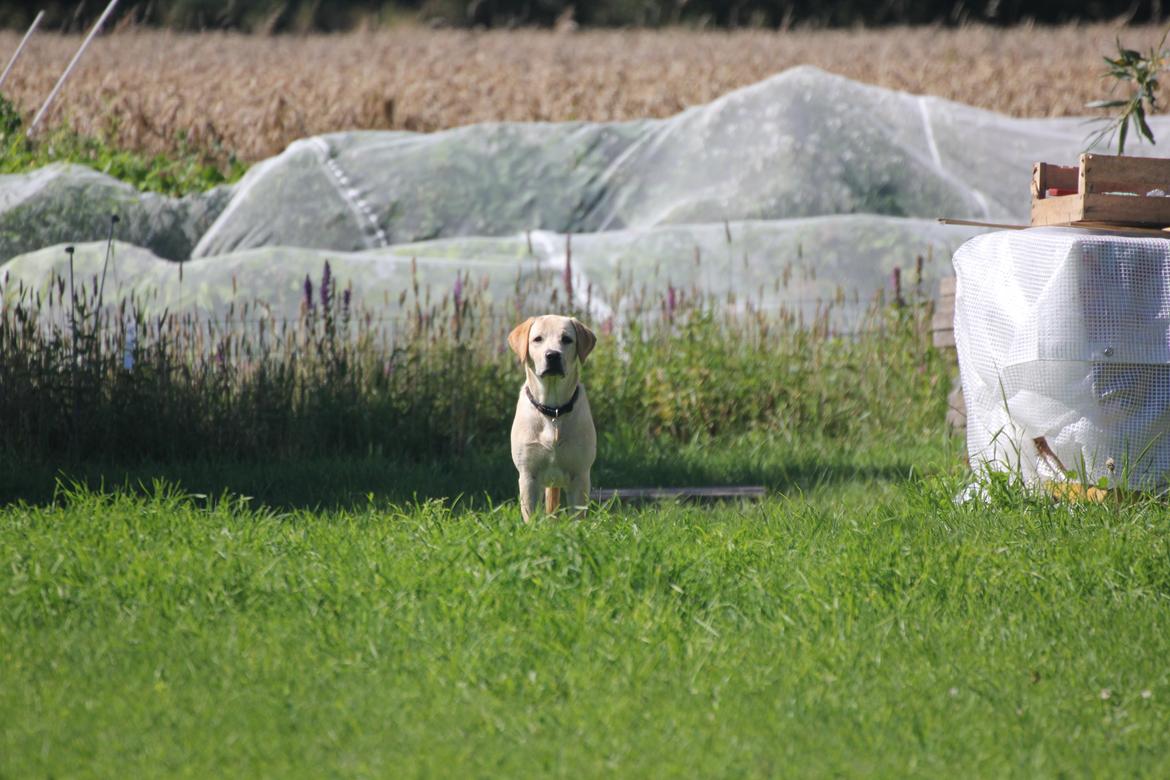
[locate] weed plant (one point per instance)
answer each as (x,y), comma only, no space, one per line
(84,379)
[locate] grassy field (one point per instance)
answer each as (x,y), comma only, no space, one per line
(856,623)
(228,96)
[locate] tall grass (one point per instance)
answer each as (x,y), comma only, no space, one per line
(81,378)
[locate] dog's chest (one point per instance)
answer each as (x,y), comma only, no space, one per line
(550,450)
(551,455)
(550,435)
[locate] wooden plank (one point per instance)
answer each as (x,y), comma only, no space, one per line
(1101,227)
(700,494)
(1125,210)
(1058,210)
(944,339)
(1046,175)
(946,287)
(1131,230)
(1111,173)
(976,223)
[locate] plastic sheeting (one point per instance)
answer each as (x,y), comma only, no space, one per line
(1064,349)
(796,264)
(802,143)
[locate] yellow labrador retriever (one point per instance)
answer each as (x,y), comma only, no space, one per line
(553,440)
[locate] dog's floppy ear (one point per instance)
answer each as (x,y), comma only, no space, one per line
(518,339)
(585,339)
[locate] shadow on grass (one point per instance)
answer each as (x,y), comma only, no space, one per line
(487,477)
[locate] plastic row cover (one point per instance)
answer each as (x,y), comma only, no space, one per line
(797,264)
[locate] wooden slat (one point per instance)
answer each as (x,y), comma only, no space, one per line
(1046,175)
(1106,227)
(701,494)
(1125,210)
(946,287)
(977,223)
(1108,172)
(944,339)
(1131,230)
(1060,210)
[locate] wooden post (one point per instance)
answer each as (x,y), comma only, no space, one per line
(942,326)
(69,69)
(20,48)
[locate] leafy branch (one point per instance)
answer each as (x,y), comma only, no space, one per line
(1142,72)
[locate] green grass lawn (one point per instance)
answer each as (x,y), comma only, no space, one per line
(856,623)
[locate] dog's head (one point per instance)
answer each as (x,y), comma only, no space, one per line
(550,346)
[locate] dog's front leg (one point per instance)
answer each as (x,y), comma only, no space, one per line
(577,495)
(530,495)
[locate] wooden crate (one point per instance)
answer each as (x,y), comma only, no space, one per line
(1095,192)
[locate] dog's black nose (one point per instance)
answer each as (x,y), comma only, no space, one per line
(553,364)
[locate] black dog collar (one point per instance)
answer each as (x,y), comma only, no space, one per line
(554,411)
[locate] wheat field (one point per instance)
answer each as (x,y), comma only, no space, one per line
(154,91)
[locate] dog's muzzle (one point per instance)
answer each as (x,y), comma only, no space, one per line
(554,365)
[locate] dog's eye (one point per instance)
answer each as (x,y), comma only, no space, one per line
(537,339)
(566,340)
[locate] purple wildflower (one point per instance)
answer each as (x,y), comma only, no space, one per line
(568,269)
(308,292)
(326,285)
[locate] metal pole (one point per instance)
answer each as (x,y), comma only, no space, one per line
(20,48)
(72,63)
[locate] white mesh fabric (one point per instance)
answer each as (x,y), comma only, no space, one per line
(806,266)
(1065,335)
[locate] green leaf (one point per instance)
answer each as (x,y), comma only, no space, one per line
(1143,127)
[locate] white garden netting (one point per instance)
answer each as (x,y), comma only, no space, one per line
(792,264)
(63,203)
(1064,349)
